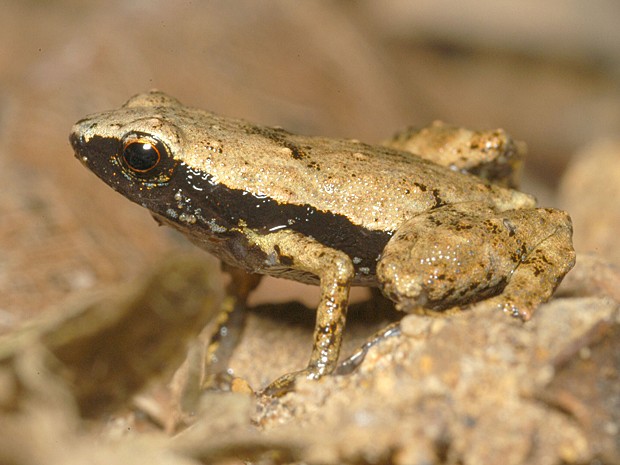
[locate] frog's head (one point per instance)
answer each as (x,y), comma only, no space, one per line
(143,151)
(134,149)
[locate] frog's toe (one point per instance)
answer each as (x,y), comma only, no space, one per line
(286,383)
(418,305)
(221,381)
(407,292)
(521,310)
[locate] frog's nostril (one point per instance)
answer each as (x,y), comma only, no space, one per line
(76,140)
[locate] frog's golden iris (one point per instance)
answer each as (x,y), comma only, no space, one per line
(141,153)
(145,159)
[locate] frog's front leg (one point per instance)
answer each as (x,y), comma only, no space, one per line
(230,324)
(460,254)
(335,272)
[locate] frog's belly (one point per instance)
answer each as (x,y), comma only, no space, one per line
(309,278)
(234,249)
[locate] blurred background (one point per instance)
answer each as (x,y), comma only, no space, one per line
(546,72)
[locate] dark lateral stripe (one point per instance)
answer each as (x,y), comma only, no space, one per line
(263,214)
(228,206)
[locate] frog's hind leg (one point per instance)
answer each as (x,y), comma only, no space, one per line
(491,155)
(457,255)
(541,270)
(350,364)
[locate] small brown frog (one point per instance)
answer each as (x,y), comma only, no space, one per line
(434,230)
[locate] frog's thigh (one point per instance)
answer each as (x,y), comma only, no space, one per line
(461,254)
(441,259)
(335,271)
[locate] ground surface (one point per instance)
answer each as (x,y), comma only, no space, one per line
(476,388)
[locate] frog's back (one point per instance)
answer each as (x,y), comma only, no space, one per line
(373,186)
(221,180)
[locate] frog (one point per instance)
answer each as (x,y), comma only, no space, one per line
(432,231)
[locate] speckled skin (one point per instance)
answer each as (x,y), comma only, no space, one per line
(335,212)
(492,155)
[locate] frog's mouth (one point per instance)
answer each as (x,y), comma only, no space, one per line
(95,152)
(100,155)
(139,157)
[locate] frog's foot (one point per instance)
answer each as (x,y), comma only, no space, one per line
(220,381)
(350,364)
(286,383)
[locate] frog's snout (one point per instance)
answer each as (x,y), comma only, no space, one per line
(79,146)
(75,140)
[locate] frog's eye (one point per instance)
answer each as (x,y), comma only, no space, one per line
(141,155)
(145,158)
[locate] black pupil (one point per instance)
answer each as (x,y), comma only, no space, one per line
(141,156)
